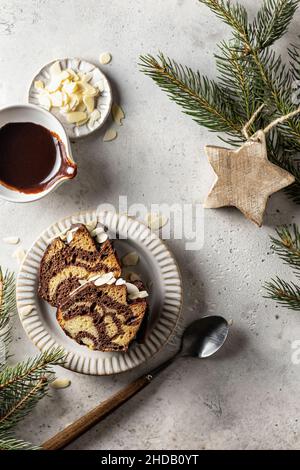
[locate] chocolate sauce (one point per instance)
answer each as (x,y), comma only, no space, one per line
(32,158)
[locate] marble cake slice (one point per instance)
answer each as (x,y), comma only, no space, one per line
(64,264)
(102,317)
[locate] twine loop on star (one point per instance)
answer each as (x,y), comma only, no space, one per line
(269,126)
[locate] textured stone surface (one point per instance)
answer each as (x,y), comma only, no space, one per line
(245,397)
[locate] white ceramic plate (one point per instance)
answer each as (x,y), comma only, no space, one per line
(103,101)
(158,270)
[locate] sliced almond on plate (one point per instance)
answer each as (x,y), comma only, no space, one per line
(76,116)
(131,259)
(101,237)
(55,68)
(25,311)
(45,102)
(133,277)
(89,102)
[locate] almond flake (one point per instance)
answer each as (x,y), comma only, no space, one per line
(94,277)
(97,231)
(131,259)
(133,277)
(102,237)
(110,135)
(92,225)
(100,86)
(60,383)
(25,311)
(11,240)
(39,85)
(138,295)
(105,58)
(132,288)
(156,221)
(105,279)
(117,114)
(55,68)
(143,294)
(19,254)
(70,234)
(69,237)
(120,282)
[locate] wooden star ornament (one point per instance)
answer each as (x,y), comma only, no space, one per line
(245,178)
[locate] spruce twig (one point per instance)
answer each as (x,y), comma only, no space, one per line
(24,384)
(287,246)
(250,74)
(201,98)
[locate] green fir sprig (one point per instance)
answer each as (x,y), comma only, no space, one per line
(250,73)
(24,384)
(287,246)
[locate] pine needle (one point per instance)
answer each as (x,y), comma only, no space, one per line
(250,73)
(200,98)
(287,246)
(7,308)
(22,385)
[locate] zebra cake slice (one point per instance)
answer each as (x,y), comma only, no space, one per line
(77,257)
(103,317)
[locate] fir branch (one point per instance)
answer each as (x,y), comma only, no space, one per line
(200,98)
(287,294)
(237,78)
(23,385)
(250,74)
(287,245)
(234,15)
(9,442)
(294,54)
(7,308)
(270,24)
(12,413)
(272,21)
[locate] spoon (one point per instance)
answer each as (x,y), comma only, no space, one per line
(202,338)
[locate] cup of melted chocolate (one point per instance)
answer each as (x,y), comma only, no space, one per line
(35,153)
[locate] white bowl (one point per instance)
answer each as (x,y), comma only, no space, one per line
(103,102)
(31,113)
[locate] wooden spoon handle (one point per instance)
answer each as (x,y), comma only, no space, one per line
(83,424)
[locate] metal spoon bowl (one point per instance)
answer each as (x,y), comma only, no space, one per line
(204,337)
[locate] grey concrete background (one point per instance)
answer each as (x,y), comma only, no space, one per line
(248,395)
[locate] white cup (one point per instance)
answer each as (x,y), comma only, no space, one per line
(36,115)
